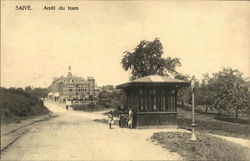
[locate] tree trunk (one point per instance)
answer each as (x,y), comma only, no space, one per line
(206,109)
(236,113)
(220,113)
(182,104)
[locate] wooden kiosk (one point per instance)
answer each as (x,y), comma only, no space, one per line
(153,100)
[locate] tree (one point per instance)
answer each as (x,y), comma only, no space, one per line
(231,92)
(118,97)
(146,59)
(204,94)
(183,93)
(103,95)
(28,89)
(40,92)
(108,87)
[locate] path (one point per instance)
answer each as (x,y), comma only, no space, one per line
(75,136)
(243,142)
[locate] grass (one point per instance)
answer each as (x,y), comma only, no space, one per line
(211,123)
(16,104)
(217,127)
(233,120)
(244,118)
(206,148)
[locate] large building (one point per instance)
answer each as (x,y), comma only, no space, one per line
(72,89)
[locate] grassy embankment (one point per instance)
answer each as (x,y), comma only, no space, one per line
(17,104)
(206,148)
(215,124)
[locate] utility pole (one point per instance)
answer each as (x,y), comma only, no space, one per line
(193,136)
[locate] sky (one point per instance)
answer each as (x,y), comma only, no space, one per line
(38,45)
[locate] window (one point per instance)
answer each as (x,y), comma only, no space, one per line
(141,100)
(141,103)
(70,89)
(154,103)
(163,103)
(80,89)
(146,103)
(141,91)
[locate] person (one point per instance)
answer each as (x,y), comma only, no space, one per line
(67,107)
(110,119)
(130,118)
(130,112)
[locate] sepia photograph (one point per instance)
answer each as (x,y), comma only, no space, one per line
(125,80)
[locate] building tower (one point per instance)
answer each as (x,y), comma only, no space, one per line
(69,72)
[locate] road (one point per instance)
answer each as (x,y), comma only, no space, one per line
(74,135)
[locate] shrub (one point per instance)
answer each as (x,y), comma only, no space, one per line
(90,107)
(106,102)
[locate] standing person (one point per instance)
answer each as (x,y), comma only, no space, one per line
(130,118)
(110,119)
(67,107)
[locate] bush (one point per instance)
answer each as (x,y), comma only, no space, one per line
(206,148)
(106,102)
(90,107)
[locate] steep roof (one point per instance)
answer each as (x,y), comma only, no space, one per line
(154,80)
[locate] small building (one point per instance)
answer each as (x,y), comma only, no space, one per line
(153,100)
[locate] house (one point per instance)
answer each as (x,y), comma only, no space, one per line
(153,100)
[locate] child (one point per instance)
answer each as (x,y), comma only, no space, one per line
(110,119)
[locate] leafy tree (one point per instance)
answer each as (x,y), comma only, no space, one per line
(103,95)
(230,91)
(119,97)
(146,59)
(28,89)
(183,93)
(204,94)
(20,89)
(108,87)
(40,92)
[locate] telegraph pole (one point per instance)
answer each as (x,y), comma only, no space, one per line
(193,136)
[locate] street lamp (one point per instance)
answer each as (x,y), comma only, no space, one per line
(193,136)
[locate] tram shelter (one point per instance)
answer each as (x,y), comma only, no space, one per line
(153,100)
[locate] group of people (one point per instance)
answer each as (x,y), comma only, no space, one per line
(129,119)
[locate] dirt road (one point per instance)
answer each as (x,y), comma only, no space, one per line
(75,136)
